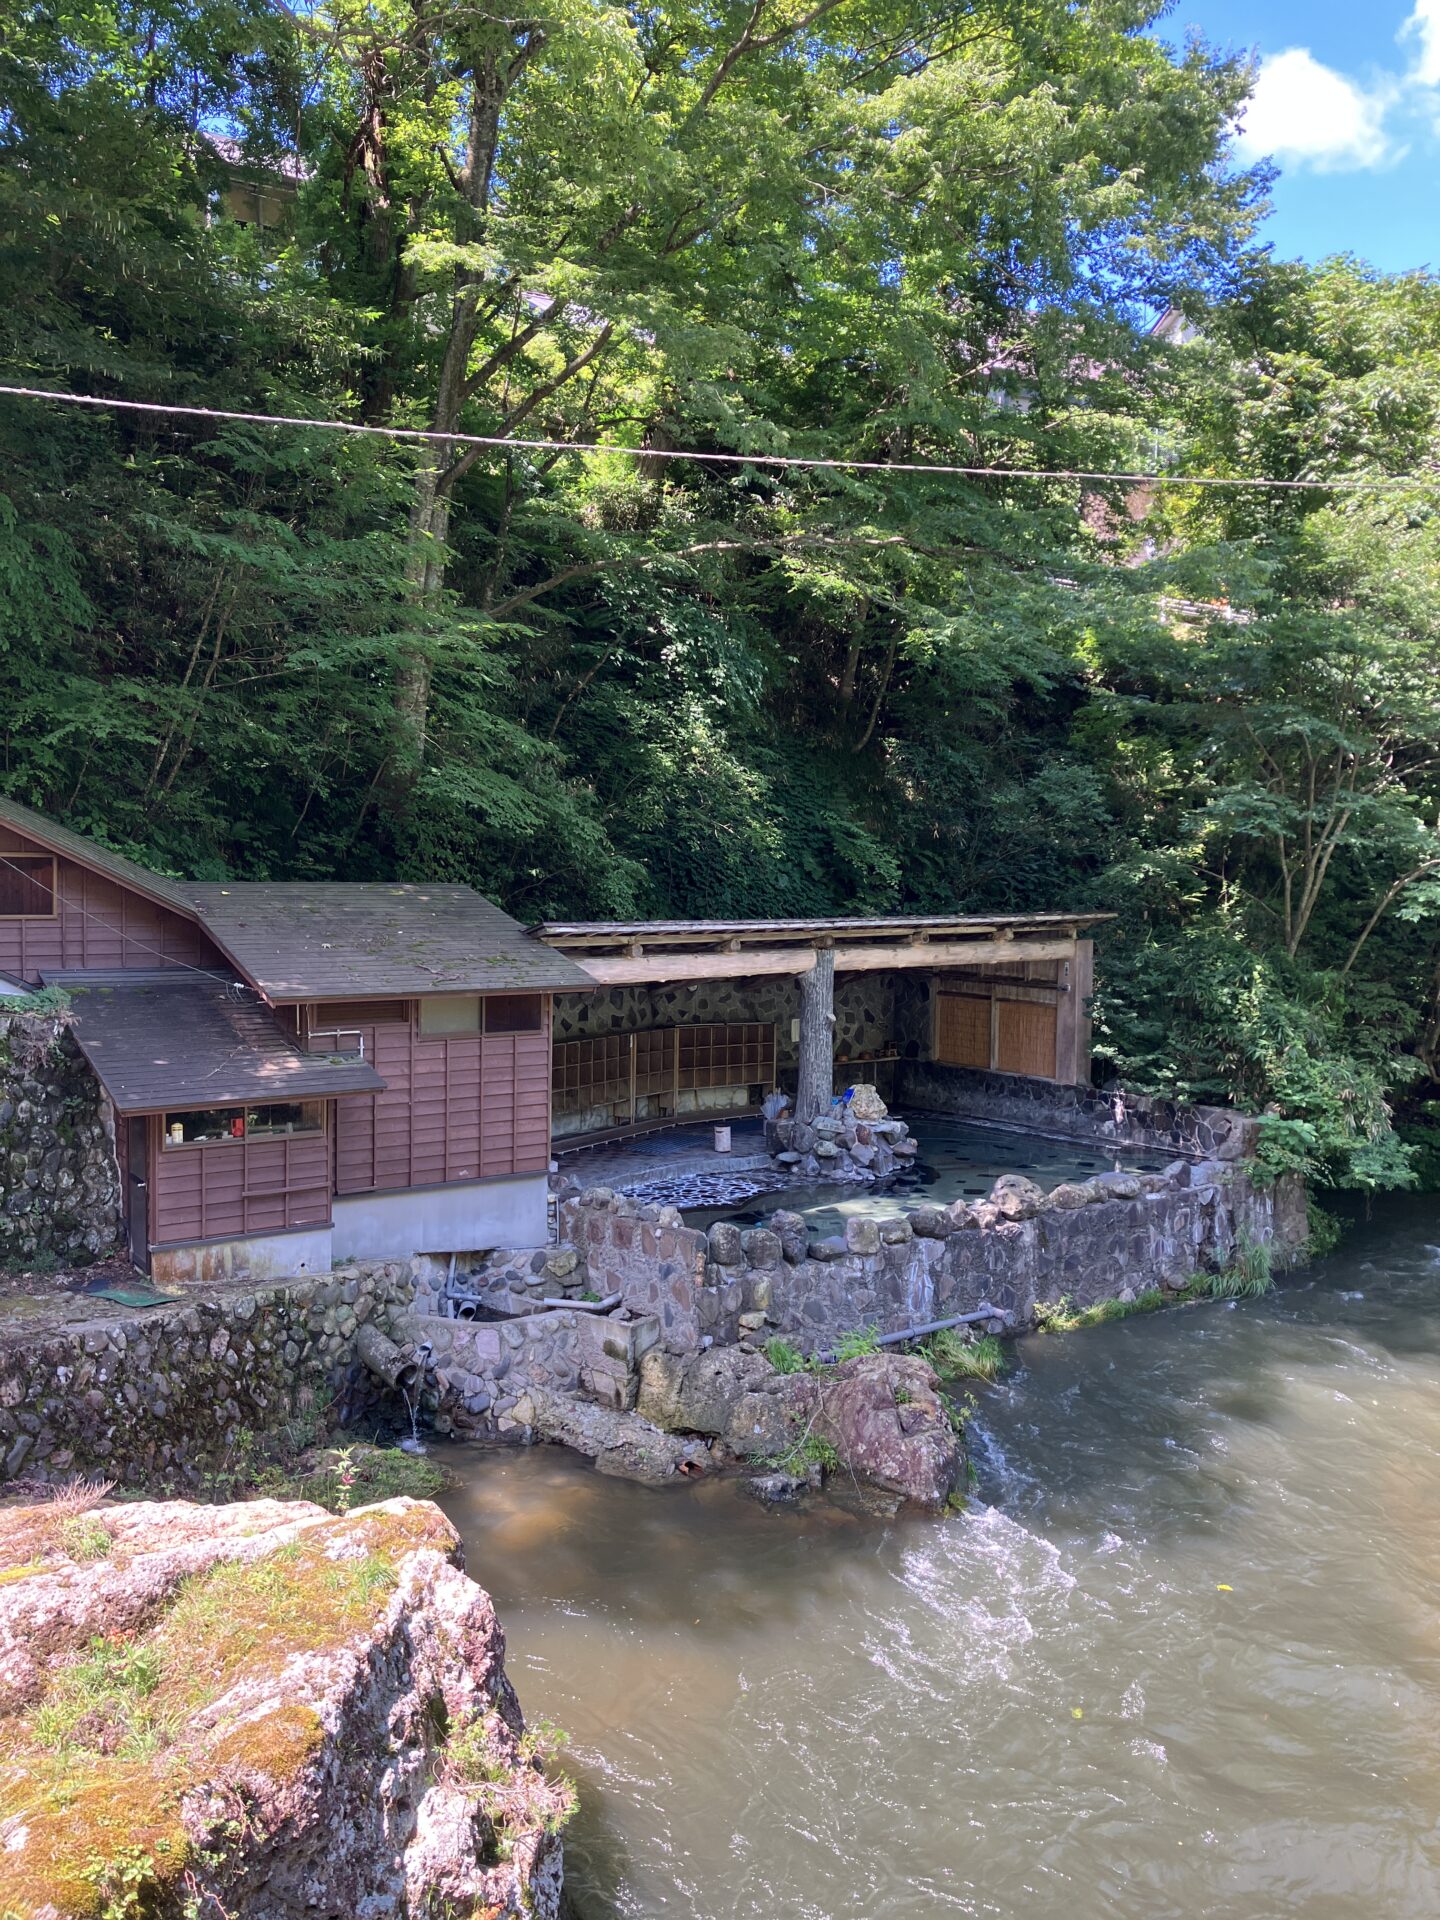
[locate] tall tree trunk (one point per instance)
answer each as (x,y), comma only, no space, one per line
(429,528)
(816,1081)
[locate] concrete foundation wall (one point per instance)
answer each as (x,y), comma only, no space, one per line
(262,1257)
(479,1214)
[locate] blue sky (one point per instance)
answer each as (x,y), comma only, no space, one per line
(1348,105)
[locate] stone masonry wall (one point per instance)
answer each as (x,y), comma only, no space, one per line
(1113,1115)
(59,1182)
(172,1392)
(1088,1241)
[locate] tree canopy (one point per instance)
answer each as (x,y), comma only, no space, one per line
(612,681)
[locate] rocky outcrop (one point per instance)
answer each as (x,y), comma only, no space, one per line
(698,1393)
(261,1711)
(879,1418)
(625,1444)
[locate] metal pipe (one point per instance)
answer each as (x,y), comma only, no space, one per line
(983,1312)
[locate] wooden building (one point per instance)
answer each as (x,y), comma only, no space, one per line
(697,1017)
(306,1072)
(299,1072)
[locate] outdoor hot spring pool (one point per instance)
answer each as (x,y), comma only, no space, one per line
(958,1160)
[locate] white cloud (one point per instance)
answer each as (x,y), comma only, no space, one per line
(1309,115)
(1423,30)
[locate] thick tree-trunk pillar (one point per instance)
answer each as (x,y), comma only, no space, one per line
(816,1085)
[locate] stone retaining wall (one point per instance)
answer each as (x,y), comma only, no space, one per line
(1118,1234)
(59,1182)
(1087,1241)
(485,1371)
(173,1392)
(1113,1116)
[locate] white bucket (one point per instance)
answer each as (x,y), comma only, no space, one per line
(722,1139)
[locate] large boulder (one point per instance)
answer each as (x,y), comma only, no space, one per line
(865,1103)
(879,1417)
(884,1417)
(1017,1198)
(263,1711)
(697,1393)
(625,1444)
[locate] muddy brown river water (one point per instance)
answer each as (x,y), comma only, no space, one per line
(1181,1658)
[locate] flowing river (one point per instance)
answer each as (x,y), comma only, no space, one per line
(1181,1658)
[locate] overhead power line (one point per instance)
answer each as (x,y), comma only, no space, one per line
(504,443)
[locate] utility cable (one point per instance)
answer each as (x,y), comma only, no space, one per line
(502,443)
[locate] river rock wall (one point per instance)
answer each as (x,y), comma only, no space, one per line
(1086,1241)
(177,1392)
(1114,1236)
(59,1182)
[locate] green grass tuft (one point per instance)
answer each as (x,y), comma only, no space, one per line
(1248,1276)
(954,1352)
(1060,1316)
(784,1357)
(857,1344)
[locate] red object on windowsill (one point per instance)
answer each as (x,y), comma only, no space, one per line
(237,1128)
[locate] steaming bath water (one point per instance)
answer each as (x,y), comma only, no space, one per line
(1181,1658)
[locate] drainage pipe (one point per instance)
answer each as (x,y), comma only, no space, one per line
(397,1366)
(551,1300)
(983,1312)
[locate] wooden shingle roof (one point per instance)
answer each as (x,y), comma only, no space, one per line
(181,1038)
(341,940)
(89,853)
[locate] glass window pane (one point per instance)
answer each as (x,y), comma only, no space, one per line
(514,1013)
(27,886)
(450,1013)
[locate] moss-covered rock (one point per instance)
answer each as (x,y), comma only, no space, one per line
(260,1710)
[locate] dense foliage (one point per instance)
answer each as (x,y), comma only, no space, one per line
(612,682)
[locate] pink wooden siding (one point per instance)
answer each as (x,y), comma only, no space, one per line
(235,1187)
(98,923)
(458,1107)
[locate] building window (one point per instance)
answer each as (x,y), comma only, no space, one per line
(514,1013)
(27,886)
(448,1013)
(344,1043)
(205,1125)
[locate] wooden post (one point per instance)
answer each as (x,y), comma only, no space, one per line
(1072,1021)
(816,1079)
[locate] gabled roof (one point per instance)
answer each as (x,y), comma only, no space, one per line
(74,846)
(337,939)
(181,1038)
(342,940)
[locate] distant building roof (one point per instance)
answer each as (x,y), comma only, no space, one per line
(187,1039)
(341,940)
(74,846)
